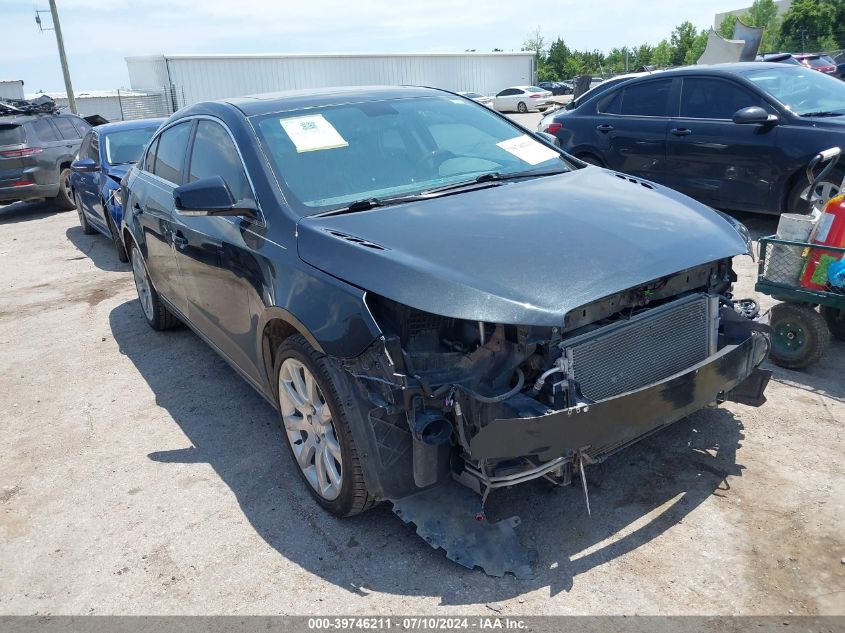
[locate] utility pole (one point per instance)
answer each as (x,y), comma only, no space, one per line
(57,27)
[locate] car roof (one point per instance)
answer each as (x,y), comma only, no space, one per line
(20,119)
(295,99)
(134,124)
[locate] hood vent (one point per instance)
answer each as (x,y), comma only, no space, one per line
(633,180)
(355,240)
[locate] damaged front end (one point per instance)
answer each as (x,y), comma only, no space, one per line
(491,405)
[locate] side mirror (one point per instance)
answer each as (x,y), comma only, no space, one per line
(755,115)
(549,138)
(84,165)
(211,196)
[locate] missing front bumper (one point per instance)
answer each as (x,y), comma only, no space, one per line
(605,426)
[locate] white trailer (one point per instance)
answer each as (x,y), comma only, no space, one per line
(11,89)
(193,78)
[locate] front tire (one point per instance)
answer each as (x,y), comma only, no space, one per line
(317,431)
(155,312)
(799,335)
(119,248)
(64,199)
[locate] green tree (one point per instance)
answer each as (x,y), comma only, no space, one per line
(764,14)
(828,43)
(726,28)
(558,58)
(697,49)
(662,54)
(642,56)
(683,39)
(806,23)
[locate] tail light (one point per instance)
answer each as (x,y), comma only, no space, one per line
(534,96)
(21,153)
(554,128)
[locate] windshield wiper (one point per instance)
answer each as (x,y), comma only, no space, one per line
(490,179)
(494,177)
(822,113)
(367,203)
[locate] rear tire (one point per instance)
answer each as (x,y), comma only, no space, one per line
(835,321)
(155,312)
(315,427)
(521,107)
(83,221)
(799,335)
(64,198)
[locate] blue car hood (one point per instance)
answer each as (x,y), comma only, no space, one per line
(525,252)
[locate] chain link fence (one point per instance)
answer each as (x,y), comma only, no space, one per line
(124,104)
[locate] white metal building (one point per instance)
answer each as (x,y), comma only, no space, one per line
(194,78)
(11,89)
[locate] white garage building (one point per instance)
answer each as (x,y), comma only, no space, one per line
(193,78)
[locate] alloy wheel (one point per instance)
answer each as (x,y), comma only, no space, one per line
(310,429)
(142,283)
(825,190)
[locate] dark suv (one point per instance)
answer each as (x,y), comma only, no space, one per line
(36,151)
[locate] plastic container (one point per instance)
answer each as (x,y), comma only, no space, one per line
(787,262)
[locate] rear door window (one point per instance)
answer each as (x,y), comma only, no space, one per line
(44,130)
(711,98)
(80,124)
(66,128)
(650,98)
(214,154)
(11,134)
(170,153)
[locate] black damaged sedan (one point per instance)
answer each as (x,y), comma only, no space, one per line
(438,302)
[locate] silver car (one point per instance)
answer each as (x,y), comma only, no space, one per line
(522,99)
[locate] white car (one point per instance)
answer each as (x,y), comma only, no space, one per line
(522,99)
(478,98)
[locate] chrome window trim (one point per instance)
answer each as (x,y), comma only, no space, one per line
(262,220)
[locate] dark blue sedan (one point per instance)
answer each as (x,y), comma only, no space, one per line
(106,154)
(733,136)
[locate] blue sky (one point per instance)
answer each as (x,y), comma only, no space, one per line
(100,33)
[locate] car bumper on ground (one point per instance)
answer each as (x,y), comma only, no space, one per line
(604,427)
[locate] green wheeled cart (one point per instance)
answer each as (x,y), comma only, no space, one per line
(800,333)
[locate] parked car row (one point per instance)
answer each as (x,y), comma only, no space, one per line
(733,136)
(815,61)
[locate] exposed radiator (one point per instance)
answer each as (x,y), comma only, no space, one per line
(643,350)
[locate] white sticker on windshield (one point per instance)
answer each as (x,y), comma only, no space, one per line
(312,132)
(527,149)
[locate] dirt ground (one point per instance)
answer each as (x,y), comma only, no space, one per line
(140,475)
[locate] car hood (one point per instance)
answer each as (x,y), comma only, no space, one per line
(119,171)
(525,252)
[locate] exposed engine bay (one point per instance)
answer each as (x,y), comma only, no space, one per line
(491,405)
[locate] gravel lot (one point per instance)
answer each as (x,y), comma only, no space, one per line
(140,475)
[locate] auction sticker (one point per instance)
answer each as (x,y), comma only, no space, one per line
(527,149)
(311,133)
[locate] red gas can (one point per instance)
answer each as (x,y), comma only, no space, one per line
(829,232)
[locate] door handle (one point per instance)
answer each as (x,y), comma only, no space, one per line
(604,127)
(180,241)
(681,131)
(137,209)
